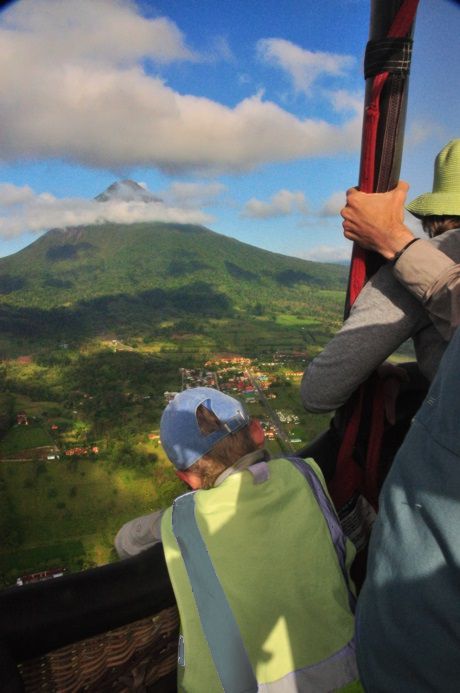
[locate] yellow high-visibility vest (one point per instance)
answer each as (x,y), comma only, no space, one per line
(268,593)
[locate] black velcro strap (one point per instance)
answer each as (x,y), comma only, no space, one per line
(387,55)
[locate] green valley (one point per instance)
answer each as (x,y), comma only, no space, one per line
(99,324)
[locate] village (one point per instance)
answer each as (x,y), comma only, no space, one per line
(260,384)
(244,378)
(54,448)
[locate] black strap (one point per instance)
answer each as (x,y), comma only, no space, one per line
(391,55)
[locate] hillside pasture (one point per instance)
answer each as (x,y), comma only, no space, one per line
(66,513)
(289,320)
(22,437)
(37,408)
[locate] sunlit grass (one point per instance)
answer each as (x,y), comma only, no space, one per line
(295,320)
(67,513)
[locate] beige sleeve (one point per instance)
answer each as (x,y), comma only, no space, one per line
(433,278)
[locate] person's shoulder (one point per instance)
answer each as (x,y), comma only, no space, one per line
(166,519)
(301,463)
(380,294)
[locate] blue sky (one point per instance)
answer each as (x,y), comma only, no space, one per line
(241,115)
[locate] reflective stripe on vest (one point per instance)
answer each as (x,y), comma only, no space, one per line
(331,674)
(218,622)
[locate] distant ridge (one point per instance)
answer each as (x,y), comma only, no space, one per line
(79,263)
(88,280)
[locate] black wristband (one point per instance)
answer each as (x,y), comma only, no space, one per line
(403,250)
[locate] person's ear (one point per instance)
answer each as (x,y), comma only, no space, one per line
(257,433)
(192,479)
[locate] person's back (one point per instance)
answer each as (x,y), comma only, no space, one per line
(270,548)
(408,618)
(258,563)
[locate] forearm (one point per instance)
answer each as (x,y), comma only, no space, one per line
(382,318)
(328,382)
(138,535)
(344,364)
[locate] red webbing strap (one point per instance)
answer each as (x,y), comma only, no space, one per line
(400,27)
(349,477)
(371,473)
(357,273)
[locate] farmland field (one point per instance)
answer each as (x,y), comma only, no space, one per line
(66,513)
(22,437)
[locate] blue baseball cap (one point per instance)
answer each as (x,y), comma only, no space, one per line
(180,433)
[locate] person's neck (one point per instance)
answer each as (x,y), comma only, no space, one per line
(243,463)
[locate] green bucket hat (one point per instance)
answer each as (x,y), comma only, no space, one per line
(445,198)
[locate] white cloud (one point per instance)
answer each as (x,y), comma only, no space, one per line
(11,195)
(327,253)
(109,32)
(37,212)
(192,195)
(281,204)
(76,88)
(343,100)
(303,66)
(333,205)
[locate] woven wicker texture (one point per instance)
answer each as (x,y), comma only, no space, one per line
(130,658)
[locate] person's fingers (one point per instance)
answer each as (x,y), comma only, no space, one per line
(403,186)
(348,195)
(400,192)
(348,233)
(351,191)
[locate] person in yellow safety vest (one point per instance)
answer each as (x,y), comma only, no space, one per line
(256,556)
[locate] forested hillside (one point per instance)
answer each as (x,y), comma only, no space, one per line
(82,282)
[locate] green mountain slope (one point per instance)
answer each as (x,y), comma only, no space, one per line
(88,279)
(63,267)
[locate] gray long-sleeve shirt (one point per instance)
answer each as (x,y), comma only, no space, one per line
(383,317)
